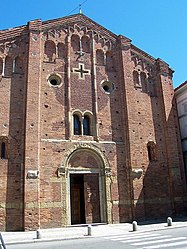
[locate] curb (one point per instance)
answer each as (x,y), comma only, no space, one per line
(139,230)
(21,242)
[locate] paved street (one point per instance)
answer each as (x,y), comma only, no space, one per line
(170,238)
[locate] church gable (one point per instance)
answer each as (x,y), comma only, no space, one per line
(81,31)
(81,23)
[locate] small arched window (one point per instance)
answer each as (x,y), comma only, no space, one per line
(151,150)
(86,125)
(3,150)
(82,123)
(76,125)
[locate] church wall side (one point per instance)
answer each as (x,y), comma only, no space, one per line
(145,121)
(12,129)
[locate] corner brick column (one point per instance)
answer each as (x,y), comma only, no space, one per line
(134,200)
(32,137)
(172,137)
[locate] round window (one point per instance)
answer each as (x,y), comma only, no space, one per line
(55,80)
(107,86)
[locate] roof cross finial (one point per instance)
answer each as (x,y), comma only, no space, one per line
(80,9)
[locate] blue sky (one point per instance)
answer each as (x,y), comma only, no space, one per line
(159,27)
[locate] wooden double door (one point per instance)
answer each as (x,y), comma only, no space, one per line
(85,199)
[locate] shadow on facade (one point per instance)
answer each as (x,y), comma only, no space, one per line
(159,184)
(15,172)
(162,182)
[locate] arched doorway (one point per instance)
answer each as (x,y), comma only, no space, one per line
(86,187)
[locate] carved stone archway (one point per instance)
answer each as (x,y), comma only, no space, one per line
(87,146)
(72,166)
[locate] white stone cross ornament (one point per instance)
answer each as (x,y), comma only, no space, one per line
(81,71)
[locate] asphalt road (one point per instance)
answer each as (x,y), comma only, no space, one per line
(174,238)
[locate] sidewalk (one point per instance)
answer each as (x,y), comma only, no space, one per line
(78,232)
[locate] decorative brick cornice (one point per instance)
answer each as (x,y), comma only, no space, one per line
(142,54)
(164,68)
(81,20)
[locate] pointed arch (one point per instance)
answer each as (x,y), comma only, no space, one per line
(50,50)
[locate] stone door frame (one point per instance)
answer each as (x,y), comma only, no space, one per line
(102,194)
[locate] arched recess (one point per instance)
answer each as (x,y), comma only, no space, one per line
(50,51)
(109,61)
(75,42)
(100,57)
(1,66)
(61,50)
(143,81)
(8,66)
(18,65)
(85,40)
(88,173)
(136,79)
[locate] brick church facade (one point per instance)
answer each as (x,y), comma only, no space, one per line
(88,128)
